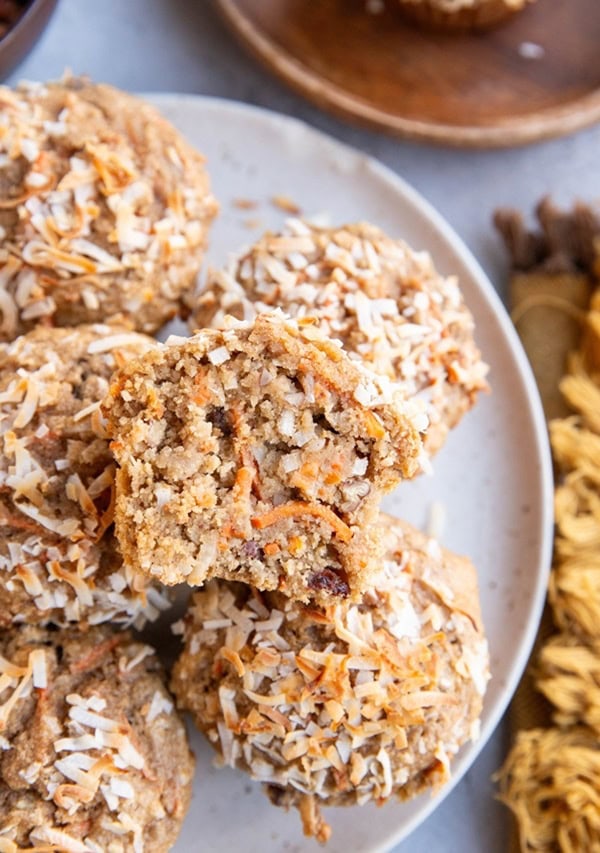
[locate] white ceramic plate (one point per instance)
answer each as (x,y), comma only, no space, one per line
(493,476)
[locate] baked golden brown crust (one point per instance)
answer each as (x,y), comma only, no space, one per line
(387,304)
(104,208)
(461,14)
(58,557)
(344,704)
(93,757)
(258,454)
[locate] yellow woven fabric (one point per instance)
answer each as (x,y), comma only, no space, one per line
(551,778)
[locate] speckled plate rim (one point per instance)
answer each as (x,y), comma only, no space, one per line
(353,161)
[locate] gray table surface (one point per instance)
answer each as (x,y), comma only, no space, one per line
(181,46)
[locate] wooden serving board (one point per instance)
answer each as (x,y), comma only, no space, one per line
(475,90)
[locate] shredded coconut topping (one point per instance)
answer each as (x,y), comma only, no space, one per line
(85,758)
(135,208)
(385,303)
(347,703)
(59,560)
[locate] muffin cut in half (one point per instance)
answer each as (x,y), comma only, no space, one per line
(257,454)
(346,704)
(104,208)
(387,304)
(94,758)
(59,561)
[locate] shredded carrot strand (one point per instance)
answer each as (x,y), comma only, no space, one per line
(295,545)
(108,516)
(374,426)
(232,657)
(243,482)
(201,394)
(9,203)
(298,508)
(93,657)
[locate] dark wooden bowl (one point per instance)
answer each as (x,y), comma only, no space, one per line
(19,40)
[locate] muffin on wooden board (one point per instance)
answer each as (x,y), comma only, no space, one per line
(386,303)
(94,757)
(58,556)
(346,704)
(461,14)
(104,208)
(260,454)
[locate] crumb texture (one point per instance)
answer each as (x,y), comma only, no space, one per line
(345,704)
(94,758)
(104,208)
(259,454)
(387,304)
(58,557)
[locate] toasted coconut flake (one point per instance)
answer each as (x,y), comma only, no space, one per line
(59,840)
(10,674)
(384,302)
(29,406)
(332,702)
(39,670)
(87,411)
(159,705)
(113,342)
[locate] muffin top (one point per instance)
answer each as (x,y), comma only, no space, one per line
(103,208)
(58,557)
(94,758)
(348,703)
(386,303)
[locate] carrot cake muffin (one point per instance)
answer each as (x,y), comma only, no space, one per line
(58,556)
(104,208)
(461,14)
(258,454)
(387,304)
(94,758)
(345,704)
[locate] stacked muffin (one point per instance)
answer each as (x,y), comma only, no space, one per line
(333,653)
(103,216)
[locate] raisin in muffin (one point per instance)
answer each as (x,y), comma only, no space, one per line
(259,453)
(346,704)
